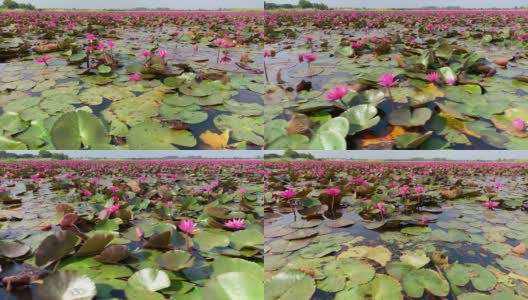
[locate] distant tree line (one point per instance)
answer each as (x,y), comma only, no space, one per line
(11,4)
(290,154)
(303,4)
(41,154)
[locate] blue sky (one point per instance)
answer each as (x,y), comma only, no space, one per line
(358,154)
(153,153)
(415,3)
(402,154)
(124,4)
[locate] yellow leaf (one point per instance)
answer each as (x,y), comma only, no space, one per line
(215,141)
(368,139)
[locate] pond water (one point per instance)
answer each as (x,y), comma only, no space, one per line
(178,97)
(460,239)
(50,226)
(474,113)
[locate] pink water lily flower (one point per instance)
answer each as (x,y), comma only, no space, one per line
(300,57)
(380,206)
(139,233)
(498,184)
(235,224)
(135,77)
(404,189)
(163,53)
(310,57)
(333,191)
(433,76)
(337,93)
(187,226)
(419,189)
(308,38)
(35,178)
(491,204)
(195,47)
(289,194)
(425,219)
(87,193)
(113,208)
(356,44)
(113,188)
(450,81)
(43,60)
(267,52)
(519,124)
(146,53)
(110,44)
(220,42)
(387,80)
(170,204)
(90,37)
(242,191)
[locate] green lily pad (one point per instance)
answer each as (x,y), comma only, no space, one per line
(222,265)
(149,279)
(319,250)
(249,129)
(246,238)
(406,118)
(361,117)
(67,285)
(416,259)
(381,287)
(175,260)
(331,135)
(206,240)
(380,254)
(417,281)
(233,286)
(481,278)
(76,129)
(412,140)
(151,135)
(290,285)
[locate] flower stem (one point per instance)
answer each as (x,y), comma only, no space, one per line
(293,211)
(266,71)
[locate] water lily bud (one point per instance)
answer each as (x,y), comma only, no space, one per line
(519,124)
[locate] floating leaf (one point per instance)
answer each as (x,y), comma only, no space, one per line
(379,254)
(149,279)
(290,285)
(95,244)
(175,260)
(415,282)
(55,247)
(113,254)
(152,135)
(75,129)
(215,141)
(67,285)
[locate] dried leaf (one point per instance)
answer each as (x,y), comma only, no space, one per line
(215,141)
(68,219)
(368,139)
(298,124)
(519,249)
(134,186)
